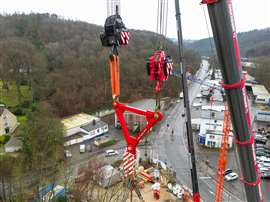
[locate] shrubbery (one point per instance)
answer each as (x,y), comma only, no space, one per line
(108,143)
(4,139)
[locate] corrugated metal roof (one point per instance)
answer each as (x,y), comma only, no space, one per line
(259,90)
(90,127)
(78,120)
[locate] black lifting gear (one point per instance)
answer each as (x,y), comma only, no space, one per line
(115,33)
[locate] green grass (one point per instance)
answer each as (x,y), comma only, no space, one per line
(21,119)
(10,98)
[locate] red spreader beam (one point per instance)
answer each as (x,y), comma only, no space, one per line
(152,119)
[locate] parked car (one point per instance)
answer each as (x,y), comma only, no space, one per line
(227,171)
(260,139)
(231,177)
(68,154)
(266,175)
(111,152)
(258,145)
(259,153)
(263,159)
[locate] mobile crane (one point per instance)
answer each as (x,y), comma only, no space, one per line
(224,32)
(225,37)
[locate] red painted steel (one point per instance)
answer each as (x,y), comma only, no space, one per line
(152,119)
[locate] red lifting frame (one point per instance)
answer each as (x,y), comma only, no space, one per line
(151,117)
(209,1)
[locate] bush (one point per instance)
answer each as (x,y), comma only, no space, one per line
(25,104)
(4,139)
(108,143)
(18,111)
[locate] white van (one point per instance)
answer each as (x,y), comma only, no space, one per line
(82,148)
(181,95)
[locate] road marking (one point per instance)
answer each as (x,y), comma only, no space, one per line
(224,190)
(211,192)
(205,177)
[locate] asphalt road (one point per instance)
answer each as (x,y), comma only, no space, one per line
(172,149)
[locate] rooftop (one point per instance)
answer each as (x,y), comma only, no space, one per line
(211,126)
(2,108)
(259,90)
(90,127)
(78,120)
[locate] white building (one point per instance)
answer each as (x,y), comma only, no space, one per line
(94,129)
(263,116)
(261,94)
(211,132)
(73,123)
(82,127)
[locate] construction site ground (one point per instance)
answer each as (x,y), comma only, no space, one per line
(148,196)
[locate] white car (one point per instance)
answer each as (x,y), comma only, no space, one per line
(231,177)
(111,152)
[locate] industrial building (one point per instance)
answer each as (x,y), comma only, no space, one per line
(211,132)
(261,94)
(82,127)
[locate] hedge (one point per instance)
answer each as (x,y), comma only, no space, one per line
(4,139)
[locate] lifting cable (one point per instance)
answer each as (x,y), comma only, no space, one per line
(159,65)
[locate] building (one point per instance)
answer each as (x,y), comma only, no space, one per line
(82,127)
(261,94)
(8,121)
(13,145)
(211,132)
(94,129)
(73,123)
(263,116)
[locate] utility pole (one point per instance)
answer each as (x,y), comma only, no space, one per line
(195,186)
(224,32)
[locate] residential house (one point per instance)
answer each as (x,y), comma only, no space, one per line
(8,121)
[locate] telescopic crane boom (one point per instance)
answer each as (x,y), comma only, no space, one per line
(224,32)
(193,171)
